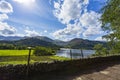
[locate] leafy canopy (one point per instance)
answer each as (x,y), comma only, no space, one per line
(111,18)
(43,51)
(111,23)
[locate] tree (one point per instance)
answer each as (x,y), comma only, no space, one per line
(104,51)
(42,51)
(110,17)
(98,48)
(111,23)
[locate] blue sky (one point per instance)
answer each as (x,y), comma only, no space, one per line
(57,19)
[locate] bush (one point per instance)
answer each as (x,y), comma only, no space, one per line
(42,51)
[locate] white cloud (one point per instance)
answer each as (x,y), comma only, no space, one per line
(5,29)
(3,17)
(84,23)
(69,10)
(100,39)
(71,30)
(32,33)
(92,31)
(90,20)
(5,7)
(56,5)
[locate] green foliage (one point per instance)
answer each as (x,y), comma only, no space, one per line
(7,46)
(98,48)
(104,51)
(111,23)
(110,18)
(42,51)
(115,49)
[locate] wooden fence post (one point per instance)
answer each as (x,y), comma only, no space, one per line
(70,53)
(28,62)
(82,53)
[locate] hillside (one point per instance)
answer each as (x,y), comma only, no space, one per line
(82,43)
(47,42)
(34,42)
(30,42)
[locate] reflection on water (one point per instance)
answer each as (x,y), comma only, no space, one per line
(75,53)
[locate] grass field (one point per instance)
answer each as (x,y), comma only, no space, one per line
(20,57)
(14,52)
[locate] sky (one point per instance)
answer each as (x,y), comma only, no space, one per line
(56,19)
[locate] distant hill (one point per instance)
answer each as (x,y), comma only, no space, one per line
(44,38)
(83,43)
(47,42)
(60,43)
(17,39)
(34,42)
(30,42)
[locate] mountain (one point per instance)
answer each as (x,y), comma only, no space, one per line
(44,38)
(47,42)
(60,43)
(83,43)
(33,41)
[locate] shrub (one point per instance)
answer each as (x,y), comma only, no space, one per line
(43,51)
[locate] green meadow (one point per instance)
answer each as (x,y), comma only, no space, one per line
(14,52)
(20,57)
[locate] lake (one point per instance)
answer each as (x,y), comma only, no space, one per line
(74,53)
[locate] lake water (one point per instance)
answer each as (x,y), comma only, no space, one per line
(74,53)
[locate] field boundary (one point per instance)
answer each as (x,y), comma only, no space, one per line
(19,71)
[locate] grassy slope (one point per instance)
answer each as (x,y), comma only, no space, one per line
(20,57)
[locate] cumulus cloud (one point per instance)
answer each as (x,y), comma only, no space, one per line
(69,9)
(100,39)
(5,28)
(90,20)
(70,31)
(78,20)
(32,33)
(3,17)
(5,7)
(92,31)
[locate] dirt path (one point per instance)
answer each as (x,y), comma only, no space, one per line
(105,71)
(110,73)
